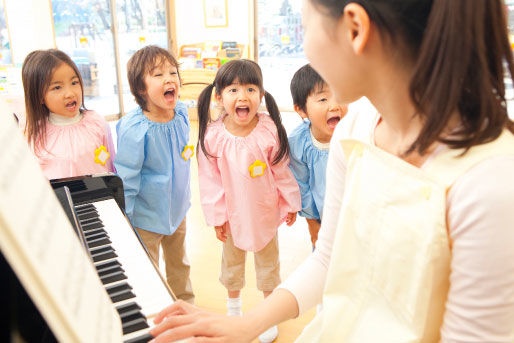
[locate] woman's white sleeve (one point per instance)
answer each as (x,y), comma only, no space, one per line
(307,282)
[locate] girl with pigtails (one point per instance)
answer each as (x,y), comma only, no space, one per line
(246,187)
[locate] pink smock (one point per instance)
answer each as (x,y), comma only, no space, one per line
(82,148)
(254,206)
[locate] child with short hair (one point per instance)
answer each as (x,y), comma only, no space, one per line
(315,103)
(153,162)
(67,139)
(247,190)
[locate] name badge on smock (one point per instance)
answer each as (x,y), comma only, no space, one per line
(188,152)
(257,168)
(101,155)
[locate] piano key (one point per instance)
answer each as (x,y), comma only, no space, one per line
(102,253)
(138,323)
(127,307)
(120,292)
(97,242)
(94,232)
(109,267)
(140,339)
(94,225)
(151,291)
(89,221)
(96,235)
(83,208)
(113,277)
(87,215)
(127,315)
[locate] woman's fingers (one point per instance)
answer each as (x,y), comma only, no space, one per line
(177,308)
(175,324)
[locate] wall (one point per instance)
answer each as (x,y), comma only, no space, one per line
(191,26)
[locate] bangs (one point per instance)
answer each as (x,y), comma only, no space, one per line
(158,61)
(243,71)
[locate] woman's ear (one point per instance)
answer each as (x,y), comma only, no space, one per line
(357,24)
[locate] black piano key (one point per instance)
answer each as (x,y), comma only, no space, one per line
(86,207)
(87,215)
(94,232)
(113,277)
(120,292)
(107,267)
(91,243)
(89,221)
(93,225)
(122,295)
(127,307)
(134,325)
(102,253)
(129,315)
(140,339)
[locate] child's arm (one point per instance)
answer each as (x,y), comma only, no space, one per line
(286,184)
(128,163)
(212,194)
(301,173)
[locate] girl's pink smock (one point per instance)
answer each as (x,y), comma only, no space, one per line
(253,206)
(76,149)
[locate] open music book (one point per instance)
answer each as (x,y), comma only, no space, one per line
(37,240)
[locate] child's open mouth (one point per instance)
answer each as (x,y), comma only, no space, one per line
(242,112)
(169,95)
(71,106)
(332,121)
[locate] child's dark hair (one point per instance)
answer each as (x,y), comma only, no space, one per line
(245,72)
(305,82)
(459,49)
(143,62)
(36,74)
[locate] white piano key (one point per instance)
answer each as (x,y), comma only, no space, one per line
(150,289)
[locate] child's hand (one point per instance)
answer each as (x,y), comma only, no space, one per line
(221,232)
(291,218)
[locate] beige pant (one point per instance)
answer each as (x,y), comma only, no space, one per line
(175,259)
(267,266)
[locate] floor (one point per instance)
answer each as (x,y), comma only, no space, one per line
(204,252)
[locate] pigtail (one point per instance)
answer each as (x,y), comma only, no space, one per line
(204,104)
(274,113)
(460,66)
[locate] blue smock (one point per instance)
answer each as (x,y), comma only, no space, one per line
(156,178)
(309,166)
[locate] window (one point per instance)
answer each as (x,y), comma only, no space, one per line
(5,43)
(83,30)
(280,49)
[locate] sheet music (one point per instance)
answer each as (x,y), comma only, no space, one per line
(37,240)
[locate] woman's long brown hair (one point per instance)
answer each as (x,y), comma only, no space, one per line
(461,52)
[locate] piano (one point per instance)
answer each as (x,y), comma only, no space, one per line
(95,207)
(88,281)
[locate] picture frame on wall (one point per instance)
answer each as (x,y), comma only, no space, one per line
(215,13)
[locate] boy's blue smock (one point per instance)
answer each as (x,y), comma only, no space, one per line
(156,179)
(309,165)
